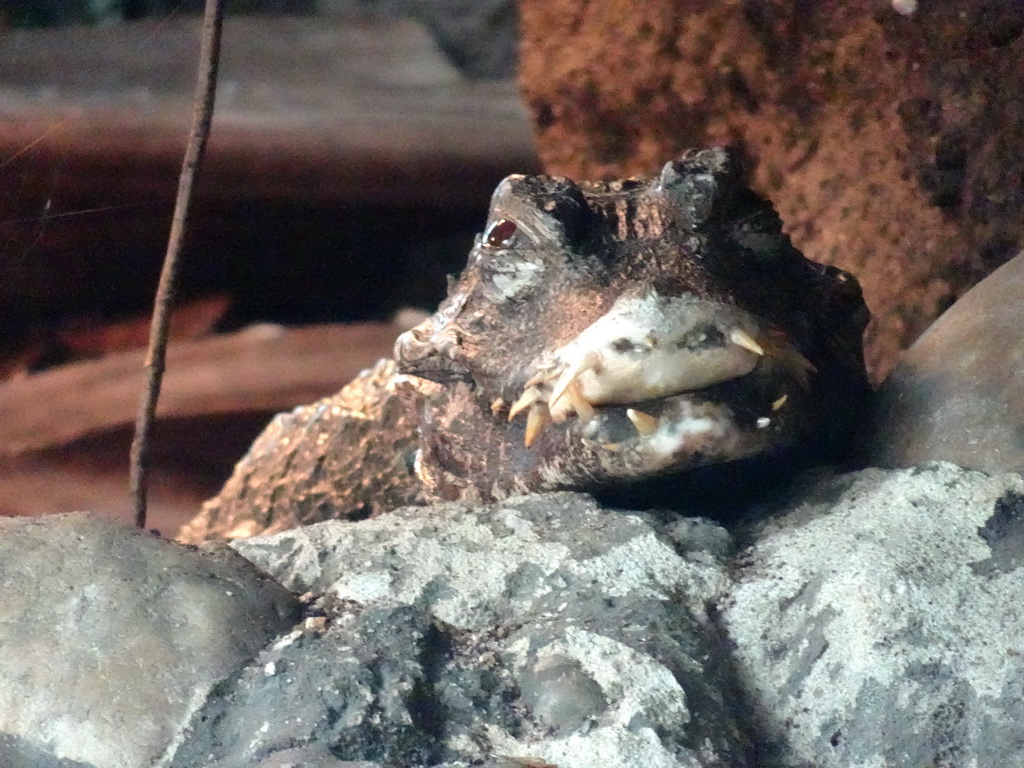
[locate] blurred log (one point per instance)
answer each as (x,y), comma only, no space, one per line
(316,120)
(260,369)
(319,109)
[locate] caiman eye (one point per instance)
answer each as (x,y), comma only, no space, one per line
(501,234)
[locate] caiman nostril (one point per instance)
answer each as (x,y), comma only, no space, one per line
(420,352)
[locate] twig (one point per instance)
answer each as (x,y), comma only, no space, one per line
(202,115)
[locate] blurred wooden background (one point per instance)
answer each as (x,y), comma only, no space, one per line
(350,165)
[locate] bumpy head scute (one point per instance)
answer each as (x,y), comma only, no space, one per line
(697,183)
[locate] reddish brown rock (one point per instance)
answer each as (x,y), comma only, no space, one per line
(891,144)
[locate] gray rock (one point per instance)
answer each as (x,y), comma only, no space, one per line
(870,619)
(878,622)
(298,757)
(958,393)
(110,638)
(542,627)
(15,751)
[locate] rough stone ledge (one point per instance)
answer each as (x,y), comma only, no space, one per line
(110,637)
(867,619)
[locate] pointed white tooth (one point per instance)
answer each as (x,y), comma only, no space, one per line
(530,396)
(536,379)
(645,424)
(545,374)
(776,404)
(585,363)
(743,339)
(595,445)
(580,404)
(538,419)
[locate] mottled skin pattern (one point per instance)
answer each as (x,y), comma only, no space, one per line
(570,252)
(347,456)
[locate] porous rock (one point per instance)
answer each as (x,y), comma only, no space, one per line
(889,141)
(111,637)
(871,620)
(958,393)
(16,752)
(300,757)
(877,622)
(543,627)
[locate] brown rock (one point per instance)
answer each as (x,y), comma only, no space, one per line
(889,143)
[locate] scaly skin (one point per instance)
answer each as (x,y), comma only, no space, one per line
(607,332)
(603,336)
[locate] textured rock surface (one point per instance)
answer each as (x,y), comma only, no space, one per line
(878,622)
(17,752)
(548,627)
(868,619)
(890,143)
(110,638)
(544,626)
(958,393)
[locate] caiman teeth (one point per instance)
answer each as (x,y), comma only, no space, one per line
(539,418)
(585,363)
(645,424)
(799,367)
(530,396)
(776,404)
(583,408)
(743,339)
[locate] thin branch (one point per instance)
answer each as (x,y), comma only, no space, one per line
(202,115)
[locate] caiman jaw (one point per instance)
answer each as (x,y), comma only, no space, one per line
(650,348)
